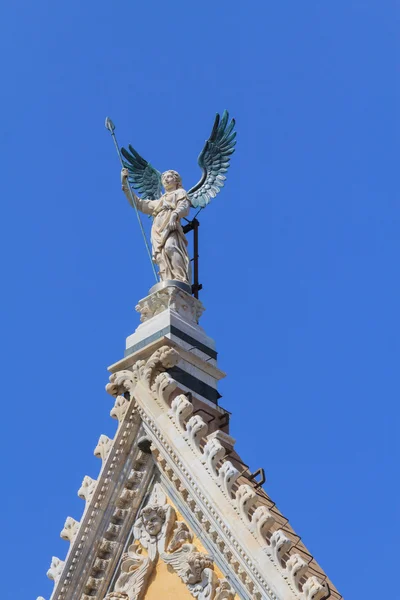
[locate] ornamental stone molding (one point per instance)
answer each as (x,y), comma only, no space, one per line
(174,299)
(111,503)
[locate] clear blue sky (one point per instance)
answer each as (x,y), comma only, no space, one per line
(299,254)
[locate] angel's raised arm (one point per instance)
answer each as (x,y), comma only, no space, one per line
(145,206)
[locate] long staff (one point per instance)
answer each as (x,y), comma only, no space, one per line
(111,127)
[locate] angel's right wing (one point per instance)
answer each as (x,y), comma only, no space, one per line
(145,179)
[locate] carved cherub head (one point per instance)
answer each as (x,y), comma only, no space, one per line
(171,180)
(153,518)
(197,562)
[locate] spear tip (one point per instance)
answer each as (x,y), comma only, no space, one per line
(109,125)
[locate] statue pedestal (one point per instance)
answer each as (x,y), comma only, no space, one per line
(173,295)
(169,315)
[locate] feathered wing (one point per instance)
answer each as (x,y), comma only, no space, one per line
(178,560)
(214,161)
(144,178)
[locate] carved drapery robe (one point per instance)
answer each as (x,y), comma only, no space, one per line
(169,247)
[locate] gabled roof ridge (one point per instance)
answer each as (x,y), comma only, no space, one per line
(270,541)
(255,515)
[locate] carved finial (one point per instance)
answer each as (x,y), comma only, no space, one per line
(103,447)
(87,488)
(196,429)
(228,474)
(313,589)
(70,530)
(56,568)
(246,497)
(119,409)
(181,409)
(261,522)
(280,544)
(296,567)
(120,382)
(213,453)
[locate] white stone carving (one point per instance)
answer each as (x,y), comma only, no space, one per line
(196,429)
(134,478)
(296,568)
(213,452)
(196,569)
(151,373)
(87,488)
(56,569)
(173,298)
(226,440)
(313,589)
(119,409)
(181,409)
(163,358)
(155,523)
(151,530)
(246,497)
(261,523)
(135,572)
(206,588)
(178,560)
(103,447)
(280,544)
(70,529)
(169,244)
(189,564)
(121,382)
(224,591)
(228,475)
(180,536)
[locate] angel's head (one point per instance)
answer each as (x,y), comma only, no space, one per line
(197,562)
(171,180)
(153,518)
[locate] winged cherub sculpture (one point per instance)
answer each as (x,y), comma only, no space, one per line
(169,244)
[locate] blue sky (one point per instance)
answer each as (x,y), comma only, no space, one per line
(299,254)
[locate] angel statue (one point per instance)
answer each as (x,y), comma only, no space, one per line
(169,244)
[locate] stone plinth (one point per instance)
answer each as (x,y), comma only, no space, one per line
(170,315)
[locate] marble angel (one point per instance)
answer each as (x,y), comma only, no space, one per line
(169,244)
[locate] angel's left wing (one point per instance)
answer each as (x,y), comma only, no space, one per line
(214,161)
(142,175)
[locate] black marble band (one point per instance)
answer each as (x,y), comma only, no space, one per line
(194,384)
(178,333)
